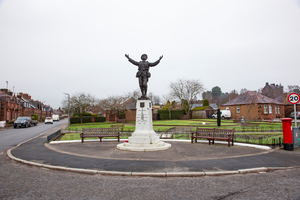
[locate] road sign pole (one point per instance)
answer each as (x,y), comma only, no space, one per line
(294,98)
(295,115)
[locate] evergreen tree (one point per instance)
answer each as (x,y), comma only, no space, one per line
(206,102)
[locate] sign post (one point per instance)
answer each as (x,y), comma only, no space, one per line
(294,98)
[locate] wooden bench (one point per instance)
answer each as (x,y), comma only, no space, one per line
(212,134)
(100,133)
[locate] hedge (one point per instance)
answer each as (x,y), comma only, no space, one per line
(86,119)
(35,116)
(175,114)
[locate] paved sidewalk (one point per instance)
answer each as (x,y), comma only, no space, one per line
(183,159)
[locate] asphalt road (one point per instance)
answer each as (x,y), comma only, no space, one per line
(11,137)
(20,181)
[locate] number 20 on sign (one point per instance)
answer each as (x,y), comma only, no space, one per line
(294,98)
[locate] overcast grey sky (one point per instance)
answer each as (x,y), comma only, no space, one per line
(48,47)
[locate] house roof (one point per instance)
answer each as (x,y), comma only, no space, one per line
(251,97)
(212,105)
(279,98)
(130,103)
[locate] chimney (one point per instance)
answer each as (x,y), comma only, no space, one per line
(29,97)
(267,83)
(285,100)
(25,96)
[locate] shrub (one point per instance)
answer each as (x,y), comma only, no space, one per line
(200,108)
(86,119)
(35,116)
(205,102)
(175,114)
(86,114)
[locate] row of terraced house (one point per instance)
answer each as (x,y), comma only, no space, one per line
(13,106)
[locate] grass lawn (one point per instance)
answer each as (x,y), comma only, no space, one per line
(164,125)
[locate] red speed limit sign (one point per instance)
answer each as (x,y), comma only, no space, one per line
(294,98)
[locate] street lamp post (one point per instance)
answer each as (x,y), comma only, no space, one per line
(68,108)
(41,107)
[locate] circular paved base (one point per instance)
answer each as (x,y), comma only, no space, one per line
(160,146)
(180,151)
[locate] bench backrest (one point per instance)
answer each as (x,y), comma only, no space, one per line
(100,131)
(214,132)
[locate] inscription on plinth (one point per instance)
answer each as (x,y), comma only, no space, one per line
(144,133)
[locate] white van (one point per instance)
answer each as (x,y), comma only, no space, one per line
(55,117)
(225,114)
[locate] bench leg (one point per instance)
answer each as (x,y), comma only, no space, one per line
(118,138)
(192,139)
(82,140)
(228,143)
(209,141)
(100,139)
(213,141)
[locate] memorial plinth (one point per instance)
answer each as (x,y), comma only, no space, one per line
(144,137)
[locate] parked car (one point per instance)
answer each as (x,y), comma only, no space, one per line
(292,115)
(22,121)
(48,120)
(225,114)
(34,122)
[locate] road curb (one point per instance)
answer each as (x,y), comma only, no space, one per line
(149,174)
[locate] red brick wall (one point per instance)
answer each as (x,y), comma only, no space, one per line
(256,112)
(130,115)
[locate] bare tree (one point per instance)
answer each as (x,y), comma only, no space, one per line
(185,90)
(154,98)
(79,102)
(118,104)
(294,88)
(243,90)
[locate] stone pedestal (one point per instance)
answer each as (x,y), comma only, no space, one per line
(144,138)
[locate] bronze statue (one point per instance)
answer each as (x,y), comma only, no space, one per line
(143,74)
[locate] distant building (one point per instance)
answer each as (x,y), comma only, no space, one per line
(254,106)
(272,90)
(13,106)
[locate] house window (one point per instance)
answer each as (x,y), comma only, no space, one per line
(227,108)
(265,109)
(238,109)
(277,110)
(270,109)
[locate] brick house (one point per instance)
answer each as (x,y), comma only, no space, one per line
(129,109)
(12,107)
(254,106)
(2,109)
